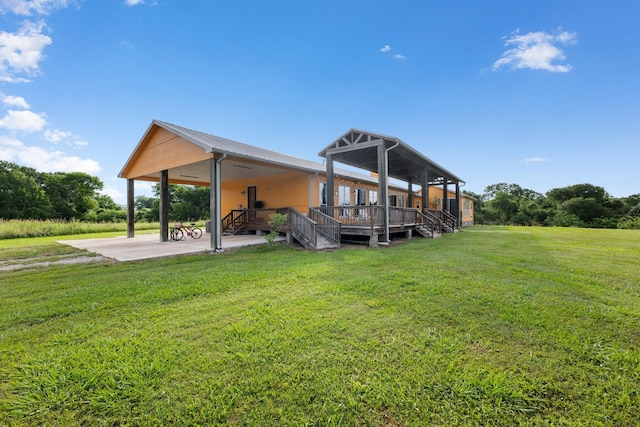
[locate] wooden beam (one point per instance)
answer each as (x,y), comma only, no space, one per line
(164,206)
(131,219)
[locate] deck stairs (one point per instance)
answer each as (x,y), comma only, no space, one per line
(426,232)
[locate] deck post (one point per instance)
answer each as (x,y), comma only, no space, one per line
(331,201)
(131,214)
(445,195)
(164,205)
(458,216)
(425,190)
(410,192)
(215,208)
(383,187)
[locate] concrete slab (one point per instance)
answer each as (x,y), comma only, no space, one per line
(147,246)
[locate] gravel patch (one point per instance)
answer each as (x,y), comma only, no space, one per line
(30,263)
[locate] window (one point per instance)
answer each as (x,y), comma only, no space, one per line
(344,199)
(393,200)
(322,194)
(344,195)
(361,197)
(373,197)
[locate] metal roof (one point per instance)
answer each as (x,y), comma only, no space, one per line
(359,148)
(238,150)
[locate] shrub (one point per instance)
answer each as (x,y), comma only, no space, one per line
(276,222)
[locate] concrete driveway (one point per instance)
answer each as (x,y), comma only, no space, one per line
(146,246)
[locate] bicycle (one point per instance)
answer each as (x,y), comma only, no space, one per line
(179,230)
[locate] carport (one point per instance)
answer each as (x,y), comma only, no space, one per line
(170,154)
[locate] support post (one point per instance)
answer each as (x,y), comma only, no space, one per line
(458,215)
(445,195)
(383,187)
(215,205)
(131,219)
(425,190)
(331,201)
(410,201)
(164,206)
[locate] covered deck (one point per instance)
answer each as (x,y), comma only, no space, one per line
(325,227)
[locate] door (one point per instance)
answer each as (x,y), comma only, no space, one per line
(251,200)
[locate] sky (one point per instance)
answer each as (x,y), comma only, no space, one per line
(543,94)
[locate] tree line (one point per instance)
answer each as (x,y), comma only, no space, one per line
(26,193)
(580,205)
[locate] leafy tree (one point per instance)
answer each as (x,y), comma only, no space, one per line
(71,195)
(21,196)
(587,209)
(187,202)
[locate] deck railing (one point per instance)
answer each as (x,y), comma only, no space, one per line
(234,220)
(326,225)
(447,218)
(303,228)
(355,215)
(430,222)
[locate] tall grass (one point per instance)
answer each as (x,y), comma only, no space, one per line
(15,229)
(494,326)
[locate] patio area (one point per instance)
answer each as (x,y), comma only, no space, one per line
(147,246)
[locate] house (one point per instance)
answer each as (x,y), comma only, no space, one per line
(248,183)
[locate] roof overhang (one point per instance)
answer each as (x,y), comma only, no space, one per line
(359,149)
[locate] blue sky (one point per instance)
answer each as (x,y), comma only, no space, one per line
(543,94)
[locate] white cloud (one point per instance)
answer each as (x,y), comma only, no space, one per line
(535,160)
(13,101)
(127,44)
(29,7)
(21,52)
(44,160)
(536,51)
(56,135)
(24,120)
(387,49)
(114,193)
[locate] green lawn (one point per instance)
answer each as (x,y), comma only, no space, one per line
(490,326)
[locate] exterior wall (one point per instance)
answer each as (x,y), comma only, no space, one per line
(292,190)
(353,186)
(276,191)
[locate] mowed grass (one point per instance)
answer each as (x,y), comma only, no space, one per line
(490,326)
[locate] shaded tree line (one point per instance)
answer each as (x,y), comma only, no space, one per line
(580,205)
(186,203)
(26,193)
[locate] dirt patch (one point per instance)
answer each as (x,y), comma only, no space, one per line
(38,262)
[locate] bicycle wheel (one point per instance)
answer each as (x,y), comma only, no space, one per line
(177,234)
(196,233)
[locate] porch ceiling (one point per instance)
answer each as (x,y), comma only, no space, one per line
(360,149)
(231,169)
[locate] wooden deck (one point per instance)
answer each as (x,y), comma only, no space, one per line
(324,227)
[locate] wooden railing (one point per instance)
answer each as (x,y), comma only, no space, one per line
(430,222)
(447,218)
(326,225)
(354,215)
(234,220)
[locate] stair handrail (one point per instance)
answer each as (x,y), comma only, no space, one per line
(328,226)
(434,223)
(234,220)
(446,217)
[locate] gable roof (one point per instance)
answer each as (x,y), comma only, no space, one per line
(238,151)
(359,148)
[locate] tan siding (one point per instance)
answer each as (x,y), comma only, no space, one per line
(163,150)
